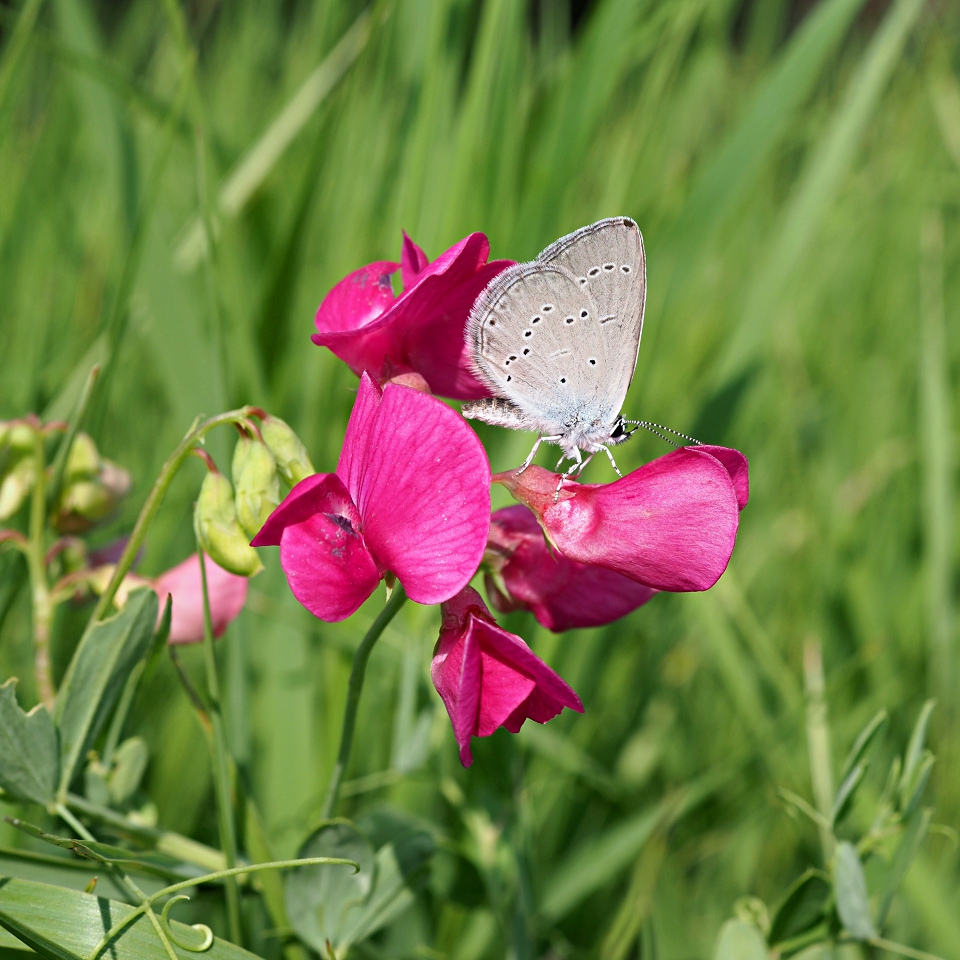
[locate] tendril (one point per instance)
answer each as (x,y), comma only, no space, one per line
(201,928)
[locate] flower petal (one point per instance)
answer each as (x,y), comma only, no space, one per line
(736,465)
(562,594)
(358,299)
(412,261)
(423,329)
(304,500)
(227,592)
(353,454)
(424,495)
(670,525)
(328,566)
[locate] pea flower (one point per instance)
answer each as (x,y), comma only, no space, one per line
(489,678)
(227,593)
(525,574)
(671,525)
(421,331)
(410,497)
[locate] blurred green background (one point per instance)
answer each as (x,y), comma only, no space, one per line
(795,169)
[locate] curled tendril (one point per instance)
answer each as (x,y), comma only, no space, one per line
(201,928)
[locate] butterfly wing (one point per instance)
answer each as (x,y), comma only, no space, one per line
(536,341)
(607,261)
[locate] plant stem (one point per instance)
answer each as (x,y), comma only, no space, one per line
(152,505)
(39,588)
(221,764)
(818,741)
(357,672)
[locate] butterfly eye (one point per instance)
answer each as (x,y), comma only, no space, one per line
(625,268)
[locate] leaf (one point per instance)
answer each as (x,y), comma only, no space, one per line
(740,941)
(916,758)
(322,907)
(29,754)
(850,887)
(67,925)
(107,653)
(801,907)
(863,742)
(912,790)
(848,789)
(913,834)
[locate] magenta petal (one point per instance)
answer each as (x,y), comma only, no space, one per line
(736,465)
(424,495)
(227,592)
(301,502)
(561,593)
(327,564)
(353,454)
(671,525)
(359,298)
(412,261)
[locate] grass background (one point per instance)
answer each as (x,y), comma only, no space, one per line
(795,170)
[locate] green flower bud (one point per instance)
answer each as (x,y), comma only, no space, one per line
(291,455)
(256,482)
(16,487)
(218,530)
(20,439)
(86,502)
(83,461)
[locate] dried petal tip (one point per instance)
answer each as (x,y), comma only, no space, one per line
(489,678)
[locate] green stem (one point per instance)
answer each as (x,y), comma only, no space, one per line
(152,505)
(221,763)
(39,588)
(357,672)
(66,442)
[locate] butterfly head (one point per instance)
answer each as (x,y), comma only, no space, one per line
(622,431)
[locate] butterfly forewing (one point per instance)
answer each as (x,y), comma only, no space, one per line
(537,339)
(607,261)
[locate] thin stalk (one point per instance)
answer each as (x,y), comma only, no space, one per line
(818,742)
(39,587)
(155,499)
(357,672)
(66,442)
(221,763)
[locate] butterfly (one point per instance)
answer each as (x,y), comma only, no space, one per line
(556,341)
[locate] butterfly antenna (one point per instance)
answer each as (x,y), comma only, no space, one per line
(660,431)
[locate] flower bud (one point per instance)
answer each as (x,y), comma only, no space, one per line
(218,530)
(87,501)
(83,462)
(256,482)
(291,455)
(16,487)
(20,439)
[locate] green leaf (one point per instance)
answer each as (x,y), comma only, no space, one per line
(29,754)
(63,924)
(848,789)
(863,742)
(801,907)
(912,790)
(107,653)
(918,740)
(740,941)
(913,834)
(346,909)
(850,887)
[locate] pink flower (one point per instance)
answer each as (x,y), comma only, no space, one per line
(670,525)
(489,678)
(227,591)
(411,496)
(561,593)
(421,331)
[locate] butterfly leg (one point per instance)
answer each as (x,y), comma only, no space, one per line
(533,452)
(572,471)
(613,463)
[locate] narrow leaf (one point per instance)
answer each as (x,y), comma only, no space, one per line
(850,887)
(863,742)
(848,788)
(29,755)
(802,906)
(916,746)
(913,834)
(108,652)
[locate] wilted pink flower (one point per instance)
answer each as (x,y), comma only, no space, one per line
(411,496)
(489,678)
(421,331)
(561,593)
(227,592)
(670,525)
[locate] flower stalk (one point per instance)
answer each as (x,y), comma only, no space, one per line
(39,587)
(357,673)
